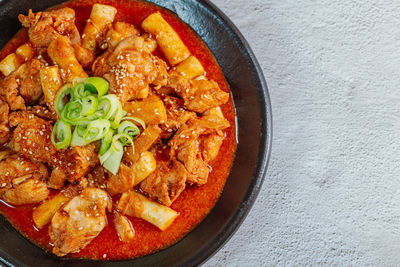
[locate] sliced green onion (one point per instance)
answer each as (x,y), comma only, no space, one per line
(107,106)
(72,111)
(106,142)
(129,128)
(96,85)
(96,130)
(96,116)
(111,160)
(89,105)
(140,121)
(77,136)
(91,86)
(79,90)
(62,94)
(61,134)
(117,116)
(110,108)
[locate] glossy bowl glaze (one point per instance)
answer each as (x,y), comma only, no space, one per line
(254,127)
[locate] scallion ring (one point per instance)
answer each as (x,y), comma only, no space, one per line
(137,120)
(106,142)
(77,136)
(61,134)
(129,128)
(96,130)
(64,95)
(96,85)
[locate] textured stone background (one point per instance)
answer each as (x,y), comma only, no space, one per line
(331,195)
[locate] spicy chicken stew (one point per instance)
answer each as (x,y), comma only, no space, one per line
(64,199)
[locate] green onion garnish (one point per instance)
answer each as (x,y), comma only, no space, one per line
(61,134)
(87,115)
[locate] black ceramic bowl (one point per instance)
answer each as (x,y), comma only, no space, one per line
(253,109)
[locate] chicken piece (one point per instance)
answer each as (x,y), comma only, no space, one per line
(5,153)
(150,43)
(21,181)
(117,33)
(210,145)
(166,183)
(44,27)
(205,95)
(129,69)
(209,123)
(97,178)
(44,113)
(9,90)
(23,85)
(31,137)
(75,225)
(186,150)
(124,227)
(72,164)
(4,128)
(30,88)
(176,116)
(84,56)
(185,145)
(27,192)
(199,95)
(122,181)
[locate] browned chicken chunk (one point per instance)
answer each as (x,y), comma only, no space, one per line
(44,27)
(82,219)
(210,145)
(199,95)
(30,88)
(31,138)
(23,85)
(72,164)
(122,181)
(176,116)
(166,183)
(22,181)
(185,146)
(10,91)
(129,69)
(4,128)
(124,227)
(117,33)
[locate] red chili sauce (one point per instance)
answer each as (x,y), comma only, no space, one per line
(193,204)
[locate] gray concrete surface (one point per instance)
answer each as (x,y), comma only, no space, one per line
(331,196)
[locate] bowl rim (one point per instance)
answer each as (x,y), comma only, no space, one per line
(264,154)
